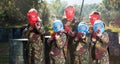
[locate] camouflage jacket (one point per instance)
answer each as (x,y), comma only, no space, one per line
(70,26)
(100,46)
(81,43)
(35,44)
(57,52)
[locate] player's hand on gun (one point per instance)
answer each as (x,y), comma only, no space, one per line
(81,35)
(57,36)
(37,25)
(69,31)
(96,35)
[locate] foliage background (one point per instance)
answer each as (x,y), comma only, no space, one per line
(13,12)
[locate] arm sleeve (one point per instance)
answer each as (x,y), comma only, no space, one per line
(105,38)
(25,33)
(41,30)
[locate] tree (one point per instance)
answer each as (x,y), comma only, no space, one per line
(110,10)
(87,9)
(112,4)
(14,11)
(57,8)
(44,13)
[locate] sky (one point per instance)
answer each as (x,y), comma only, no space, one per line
(79,2)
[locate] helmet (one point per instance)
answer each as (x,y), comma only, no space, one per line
(99,26)
(57,26)
(32,16)
(94,16)
(69,12)
(83,27)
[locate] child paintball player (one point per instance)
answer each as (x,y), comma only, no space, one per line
(100,43)
(81,42)
(70,26)
(34,32)
(58,42)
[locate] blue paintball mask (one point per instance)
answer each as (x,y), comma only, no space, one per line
(83,28)
(98,26)
(57,26)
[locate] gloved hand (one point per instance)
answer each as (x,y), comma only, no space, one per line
(96,36)
(37,25)
(57,37)
(67,29)
(80,35)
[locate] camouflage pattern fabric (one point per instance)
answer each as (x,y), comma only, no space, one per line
(99,50)
(36,49)
(35,44)
(57,51)
(81,52)
(57,58)
(71,24)
(69,53)
(82,59)
(103,60)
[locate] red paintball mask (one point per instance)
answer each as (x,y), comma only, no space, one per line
(70,12)
(32,18)
(94,17)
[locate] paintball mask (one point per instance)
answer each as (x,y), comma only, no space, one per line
(83,28)
(32,16)
(70,12)
(93,17)
(57,26)
(98,26)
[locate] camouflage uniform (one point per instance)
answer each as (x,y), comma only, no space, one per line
(57,55)
(81,50)
(99,50)
(71,31)
(35,44)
